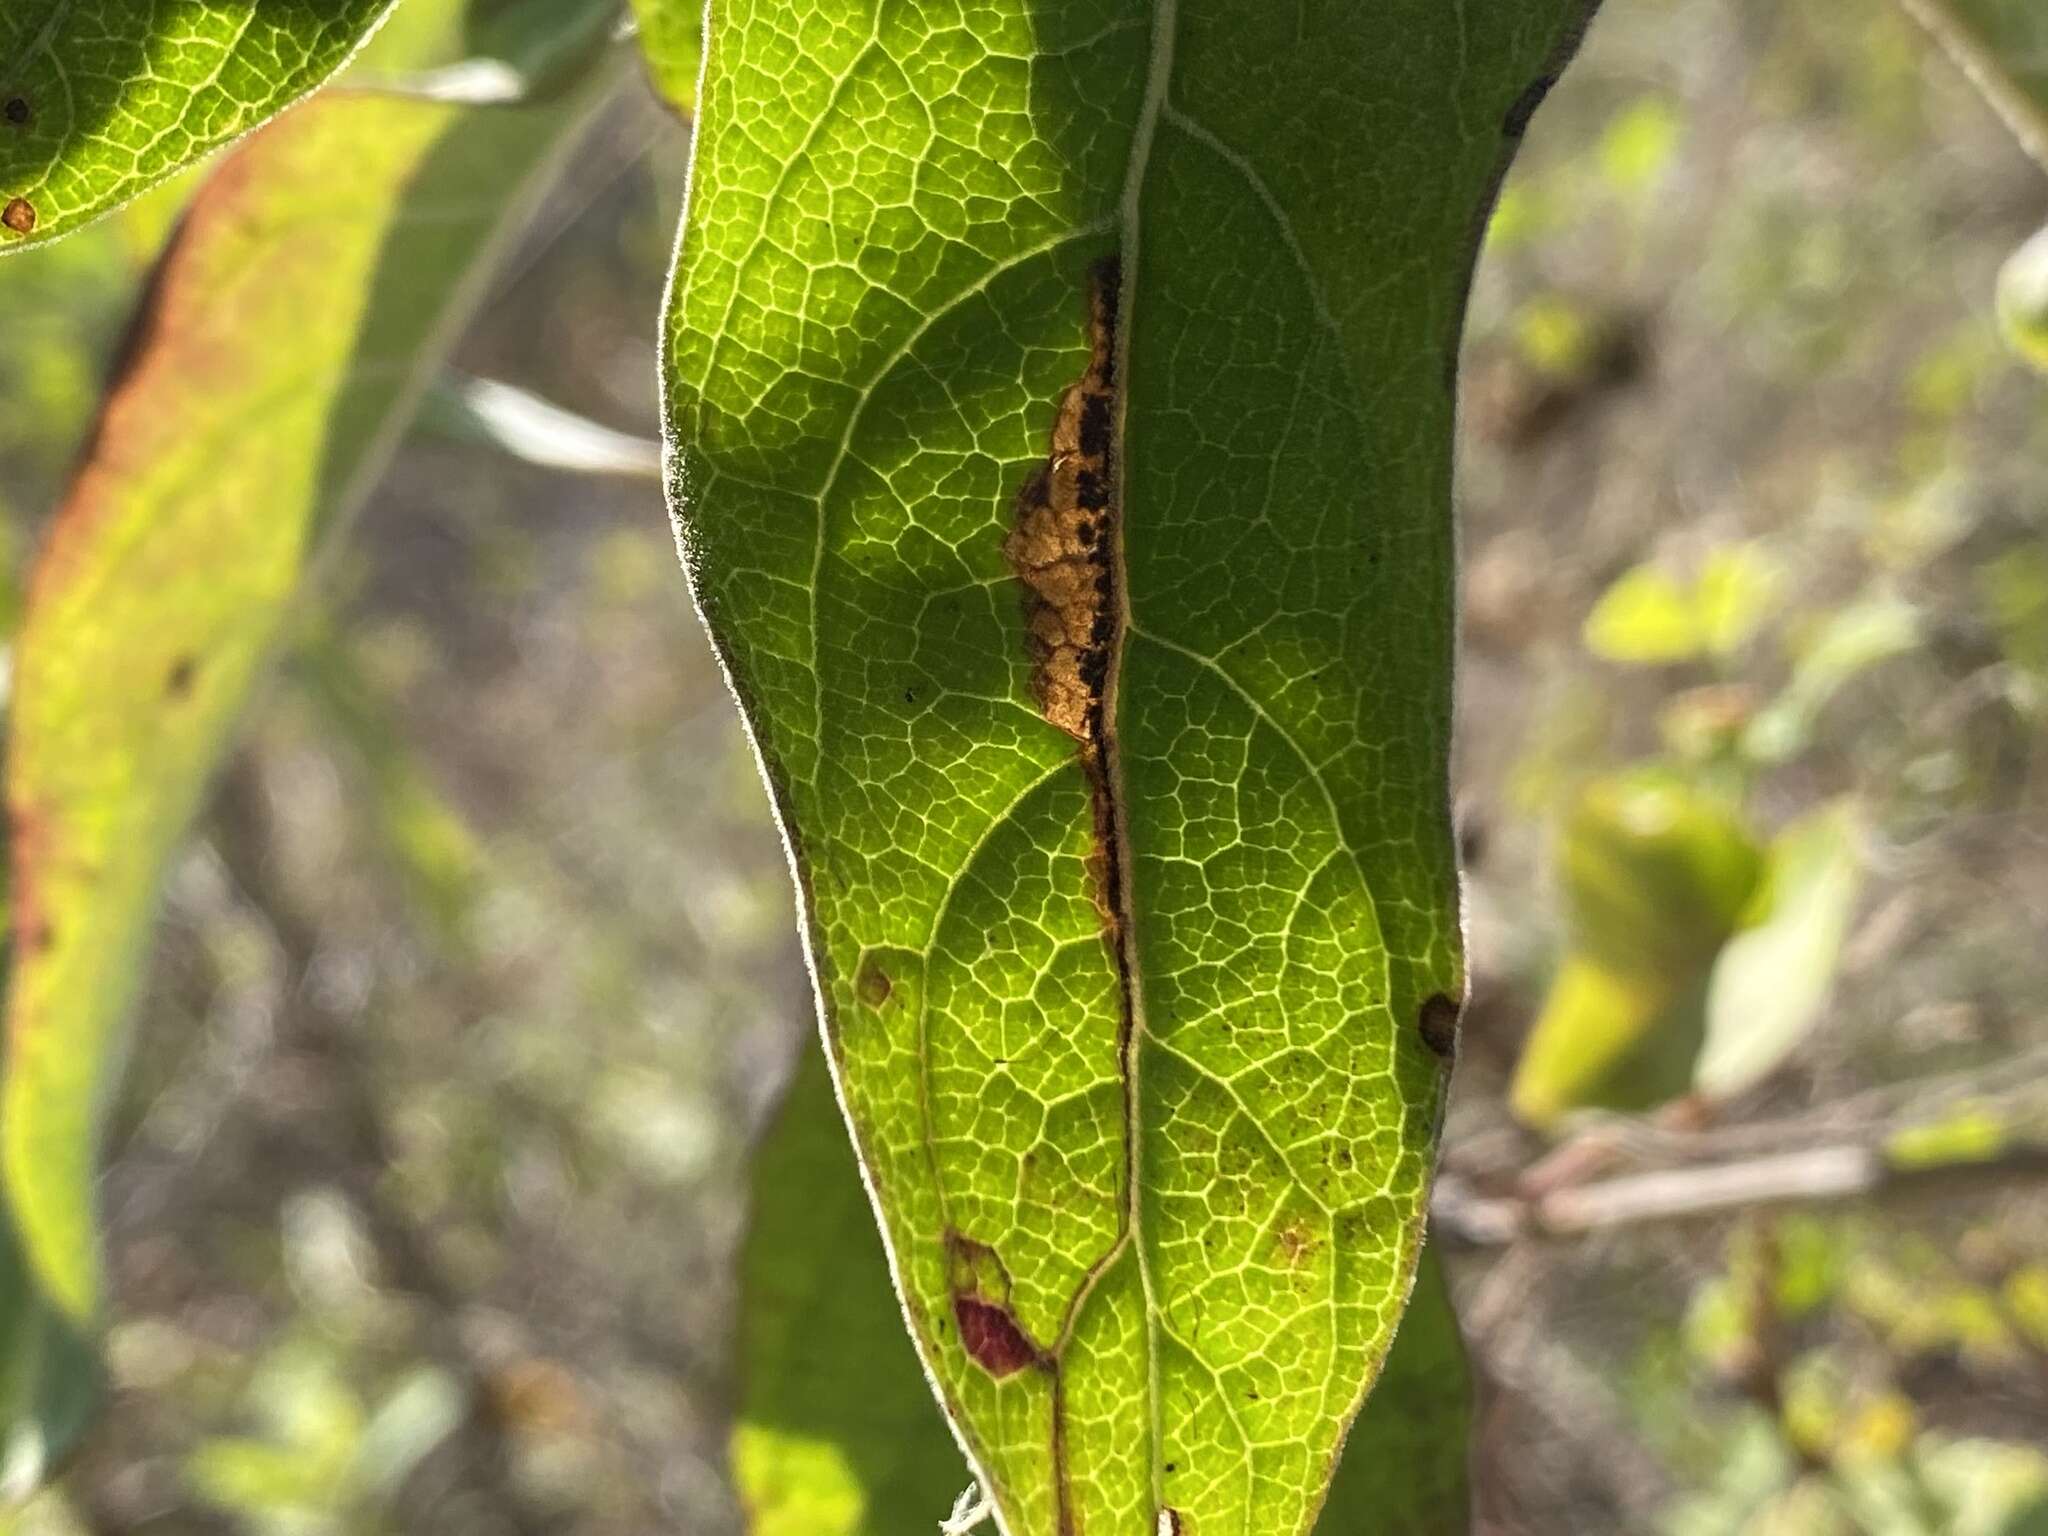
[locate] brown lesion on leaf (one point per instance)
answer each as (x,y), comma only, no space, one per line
(1437,1023)
(871,983)
(989,1330)
(19,215)
(1064,541)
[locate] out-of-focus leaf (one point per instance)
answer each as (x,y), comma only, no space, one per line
(49,1379)
(837,1432)
(1849,642)
(2023,300)
(1954,1487)
(421,1411)
(2002,45)
(358,231)
(433,848)
(1737,589)
(1648,617)
(1771,980)
(1655,877)
(1061,448)
(520,423)
(103,99)
(672,38)
(1645,618)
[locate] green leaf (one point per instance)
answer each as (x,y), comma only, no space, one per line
(837,1434)
(359,228)
(1770,982)
(1061,423)
(103,99)
(672,41)
(1655,878)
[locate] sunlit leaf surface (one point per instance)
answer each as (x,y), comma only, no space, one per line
(837,1433)
(102,99)
(284,340)
(1060,394)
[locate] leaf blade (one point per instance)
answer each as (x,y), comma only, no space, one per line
(359,227)
(893,314)
(837,1435)
(104,100)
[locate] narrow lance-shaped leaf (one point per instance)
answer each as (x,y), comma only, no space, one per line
(1061,402)
(288,332)
(837,1434)
(103,99)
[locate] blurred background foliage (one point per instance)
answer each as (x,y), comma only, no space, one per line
(478,981)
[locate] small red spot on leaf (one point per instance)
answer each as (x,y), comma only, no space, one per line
(992,1337)
(19,215)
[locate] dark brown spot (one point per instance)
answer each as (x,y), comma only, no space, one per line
(1516,123)
(992,1338)
(873,983)
(178,681)
(17,111)
(1438,1024)
(19,215)
(1174,1524)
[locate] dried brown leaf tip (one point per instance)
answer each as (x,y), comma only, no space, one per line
(1064,541)
(19,215)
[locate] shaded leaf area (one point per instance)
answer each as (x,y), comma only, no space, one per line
(1062,453)
(103,99)
(1697,956)
(672,39)
(837,1434)
(360,230)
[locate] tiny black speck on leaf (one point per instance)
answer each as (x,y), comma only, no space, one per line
(178,681)
(17,110)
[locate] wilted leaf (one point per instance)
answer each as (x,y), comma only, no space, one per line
(1771,980)
(1655,878)
(102,99)
(1060,397)
(837,1431)
(357,230)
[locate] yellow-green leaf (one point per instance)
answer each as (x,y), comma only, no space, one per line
(282,344)
(837,1434)
(1060,404)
